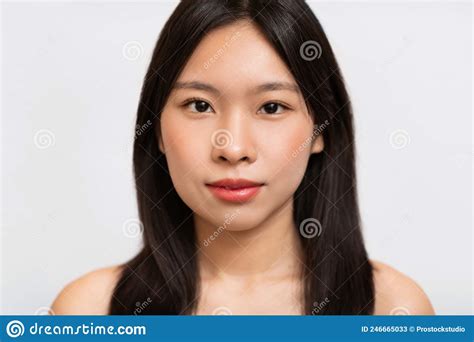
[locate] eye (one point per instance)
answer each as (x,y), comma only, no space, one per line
(198,106)
(273,107)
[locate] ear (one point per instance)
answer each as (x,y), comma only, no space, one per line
(318,144)
(161,145)
(317,140)
(159,136)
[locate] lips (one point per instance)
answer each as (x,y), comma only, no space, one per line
(235,190)
(235,183)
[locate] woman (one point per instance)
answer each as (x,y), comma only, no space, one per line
(245,177)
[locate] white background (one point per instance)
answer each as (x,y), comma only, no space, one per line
(64,69)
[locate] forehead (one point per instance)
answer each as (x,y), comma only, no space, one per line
(236,56)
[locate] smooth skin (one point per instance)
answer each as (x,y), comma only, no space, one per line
(396,293)
(252,265)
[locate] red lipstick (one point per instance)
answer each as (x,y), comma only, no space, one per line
(235,190)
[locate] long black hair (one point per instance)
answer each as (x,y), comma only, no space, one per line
(163,277)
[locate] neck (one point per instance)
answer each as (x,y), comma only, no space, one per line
(270,250)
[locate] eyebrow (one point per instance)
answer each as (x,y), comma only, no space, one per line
(270,86)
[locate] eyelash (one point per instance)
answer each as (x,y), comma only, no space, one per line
(197,99)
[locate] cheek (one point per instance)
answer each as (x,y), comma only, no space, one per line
(176,141)
(184,151)
(180,141)
(288,156)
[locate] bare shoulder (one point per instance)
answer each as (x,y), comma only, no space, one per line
(89,294)
(398,294)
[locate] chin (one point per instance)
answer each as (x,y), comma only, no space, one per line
(235,219)
(243,221)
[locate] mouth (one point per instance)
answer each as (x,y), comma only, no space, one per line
(235,190)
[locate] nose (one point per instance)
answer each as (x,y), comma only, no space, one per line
(233,142)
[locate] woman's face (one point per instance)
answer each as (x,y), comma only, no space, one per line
(236,112)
